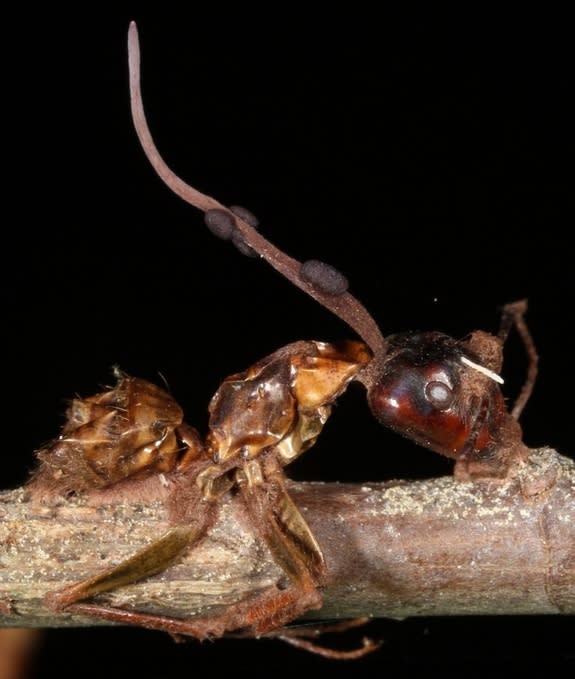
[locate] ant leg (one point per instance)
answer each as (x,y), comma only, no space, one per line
(299,637)
(295,549)
(209,627)
(267,610)
(153,559)
(513,314)
(293,546)
(156,557)
(149,561)
(368,646)
(257,614)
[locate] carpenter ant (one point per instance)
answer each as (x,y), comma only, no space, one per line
(440,392)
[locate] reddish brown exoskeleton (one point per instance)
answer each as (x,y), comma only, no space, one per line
(440,392)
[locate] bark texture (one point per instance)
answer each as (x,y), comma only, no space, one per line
(394,549)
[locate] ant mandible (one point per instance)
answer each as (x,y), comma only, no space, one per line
(440,392)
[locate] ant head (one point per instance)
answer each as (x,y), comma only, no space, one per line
(438,392)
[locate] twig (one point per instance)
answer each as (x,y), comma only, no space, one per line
(395,549)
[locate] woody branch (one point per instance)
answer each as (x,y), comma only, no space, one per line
(393,549)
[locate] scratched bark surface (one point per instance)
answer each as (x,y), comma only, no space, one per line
(393,549)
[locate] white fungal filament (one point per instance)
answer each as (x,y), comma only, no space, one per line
(482,369)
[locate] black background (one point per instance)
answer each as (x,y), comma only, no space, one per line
(426,157)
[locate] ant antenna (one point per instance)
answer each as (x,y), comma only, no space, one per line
(319,280)
(513,315)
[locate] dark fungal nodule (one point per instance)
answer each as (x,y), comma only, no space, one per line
(220,223)
(242,246)
(324,277)
(237,239)
(246,215)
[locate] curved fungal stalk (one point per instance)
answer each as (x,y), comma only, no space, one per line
(319,280)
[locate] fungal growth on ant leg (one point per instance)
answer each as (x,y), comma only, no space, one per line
(440,392)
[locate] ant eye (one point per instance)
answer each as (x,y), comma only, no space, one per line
(439,395)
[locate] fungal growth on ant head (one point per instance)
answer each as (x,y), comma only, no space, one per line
(440,392)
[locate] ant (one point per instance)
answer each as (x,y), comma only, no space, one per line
(440,392)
